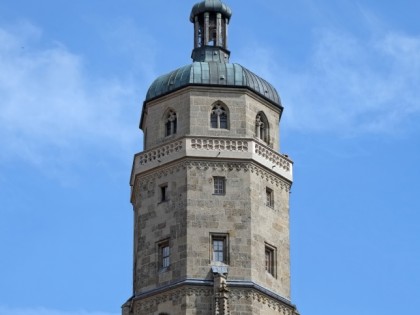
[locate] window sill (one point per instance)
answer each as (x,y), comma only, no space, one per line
(170,137)
(219,263)
(262,141)
(270,274)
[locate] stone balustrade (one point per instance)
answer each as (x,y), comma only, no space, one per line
(273,157)
(156,154)
(204,147)
(219,144)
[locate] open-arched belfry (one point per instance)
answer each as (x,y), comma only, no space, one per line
(210,191)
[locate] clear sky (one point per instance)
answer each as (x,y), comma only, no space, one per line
(73,76)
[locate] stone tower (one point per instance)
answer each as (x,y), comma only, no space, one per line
(210,191)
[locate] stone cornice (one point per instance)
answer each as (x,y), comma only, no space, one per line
(238,290)
(209,89)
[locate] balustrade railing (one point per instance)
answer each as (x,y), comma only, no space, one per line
(214,144)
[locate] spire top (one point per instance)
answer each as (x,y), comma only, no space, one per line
(210,6)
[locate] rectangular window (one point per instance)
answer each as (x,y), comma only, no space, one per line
(269,197)
(213,120)
(270,259)
(174,125)
(219,185)
(145,139)
(170,123)
(168,127)
(163,192)
(164,254)
(219,248)
(223,121)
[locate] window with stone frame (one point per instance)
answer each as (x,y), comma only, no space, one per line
(219,183)
(219,246)
(170,123)
(219,117)
(164,254)
(262,127)
(269,197)
(163,192)
(270,259)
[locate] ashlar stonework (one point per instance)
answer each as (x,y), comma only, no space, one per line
(210,192)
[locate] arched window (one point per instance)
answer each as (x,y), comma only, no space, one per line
(219,117)
(261,127)
(170,123)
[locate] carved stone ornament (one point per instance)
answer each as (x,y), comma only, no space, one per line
(219,145)
(156,154)
(252,295)
(144,306)
(218,110)
(259,122)
(171,116)
(272,156)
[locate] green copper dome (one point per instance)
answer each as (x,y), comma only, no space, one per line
(211,66)
(210,6)
(212,74)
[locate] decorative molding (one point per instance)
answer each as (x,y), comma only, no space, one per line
(241,166)
(245,150)
(217,144)
(269,177)
(147,182)
(219,166)
(272,156)
(148,304)
(155,154)
(236,295)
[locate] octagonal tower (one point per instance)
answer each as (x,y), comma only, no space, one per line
(210,191)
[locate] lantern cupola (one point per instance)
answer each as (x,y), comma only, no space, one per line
(211,20)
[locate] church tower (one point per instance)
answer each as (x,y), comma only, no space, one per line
(210,191)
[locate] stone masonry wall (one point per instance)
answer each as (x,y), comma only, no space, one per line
(243,109)
(192,213)
(270,225)
(154,119)
(242,214)
(158,221)
(193,108)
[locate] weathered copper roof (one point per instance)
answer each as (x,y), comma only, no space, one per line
(210,6)
(212,74)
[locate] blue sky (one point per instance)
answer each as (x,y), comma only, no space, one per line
(73,75)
